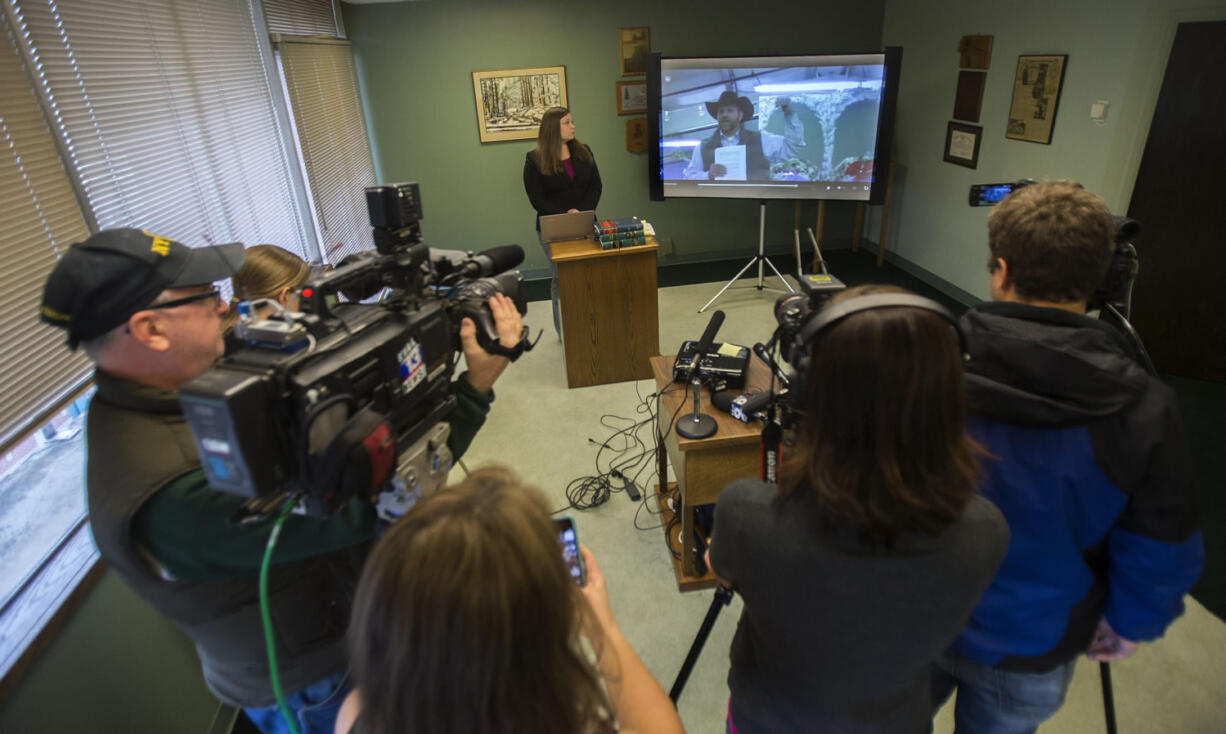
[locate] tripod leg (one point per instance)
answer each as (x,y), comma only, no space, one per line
(786,284)
(1104,672)
(728,285)
(723,597)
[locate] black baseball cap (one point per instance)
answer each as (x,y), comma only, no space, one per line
(99,283)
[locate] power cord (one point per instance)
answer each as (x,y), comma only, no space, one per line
(266,616)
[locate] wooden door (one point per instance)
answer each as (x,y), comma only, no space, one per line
(1179,303)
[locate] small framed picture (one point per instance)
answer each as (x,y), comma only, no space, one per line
(634,44)
(631,98)
(962,144)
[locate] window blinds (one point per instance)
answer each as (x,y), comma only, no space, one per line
(323,92)
(165,110)
(40,218)
(301,17)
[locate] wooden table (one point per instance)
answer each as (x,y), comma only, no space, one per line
(703,466)
(610,316)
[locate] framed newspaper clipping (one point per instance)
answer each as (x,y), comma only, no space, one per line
(1036,92)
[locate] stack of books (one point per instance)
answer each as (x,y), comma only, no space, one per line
(623,232)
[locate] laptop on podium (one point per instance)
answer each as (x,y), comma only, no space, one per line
(570,226)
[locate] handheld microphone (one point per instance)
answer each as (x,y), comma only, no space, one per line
(744,407)
(704,343)
(698,425)
(764,355)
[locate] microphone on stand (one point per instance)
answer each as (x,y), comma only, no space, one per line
(696,424)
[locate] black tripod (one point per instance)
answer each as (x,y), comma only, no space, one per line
(723,597)
(772,438)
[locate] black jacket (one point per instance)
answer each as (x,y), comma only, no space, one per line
(557,194)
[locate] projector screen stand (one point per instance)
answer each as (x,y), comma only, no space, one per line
(758,259)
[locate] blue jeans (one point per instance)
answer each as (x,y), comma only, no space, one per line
(995,701)
(315,708)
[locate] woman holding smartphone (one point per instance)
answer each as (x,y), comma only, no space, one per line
(864,564)
(467,619)
(560,176)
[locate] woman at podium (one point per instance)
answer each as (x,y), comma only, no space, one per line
(864,564)
(560,176)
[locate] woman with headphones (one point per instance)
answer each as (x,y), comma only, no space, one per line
(863,564)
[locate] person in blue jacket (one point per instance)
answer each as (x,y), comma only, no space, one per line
(1087,459)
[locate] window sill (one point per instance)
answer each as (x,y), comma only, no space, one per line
(31,619)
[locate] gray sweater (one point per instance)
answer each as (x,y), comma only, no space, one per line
(837,636)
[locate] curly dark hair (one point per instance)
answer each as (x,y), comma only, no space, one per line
(1056,239)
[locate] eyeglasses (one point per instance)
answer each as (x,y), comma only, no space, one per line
(214,293)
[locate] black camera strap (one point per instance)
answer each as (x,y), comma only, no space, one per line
(514,353)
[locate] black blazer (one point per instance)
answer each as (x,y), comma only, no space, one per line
(557,194)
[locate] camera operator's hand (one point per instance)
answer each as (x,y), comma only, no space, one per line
(1108,645)
(483,367)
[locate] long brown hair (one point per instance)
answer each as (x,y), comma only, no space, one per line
(466,620)
(549,143)
(882,445)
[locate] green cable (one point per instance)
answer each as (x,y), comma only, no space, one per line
(267,617)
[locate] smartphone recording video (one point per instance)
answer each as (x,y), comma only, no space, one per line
(570,548)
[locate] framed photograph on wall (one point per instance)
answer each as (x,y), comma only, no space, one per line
(975,52)
(511,102)
(631,98)
(1036,92)
(633,46)
(962,144)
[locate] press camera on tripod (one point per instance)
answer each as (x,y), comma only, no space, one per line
(349,398)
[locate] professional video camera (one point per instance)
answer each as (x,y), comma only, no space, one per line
(346,398)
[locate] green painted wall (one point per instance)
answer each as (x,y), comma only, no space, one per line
(1117,51)
(414,65)
(116,666)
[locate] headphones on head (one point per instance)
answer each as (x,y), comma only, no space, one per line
(799,351)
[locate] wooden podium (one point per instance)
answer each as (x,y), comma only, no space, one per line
(610,317)
(703,466)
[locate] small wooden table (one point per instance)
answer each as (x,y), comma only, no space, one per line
(703,466)
(610,315)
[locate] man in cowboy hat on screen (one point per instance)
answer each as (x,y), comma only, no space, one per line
(762,148)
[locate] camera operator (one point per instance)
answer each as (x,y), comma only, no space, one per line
(145,311)
(860,568)
(1087,460)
